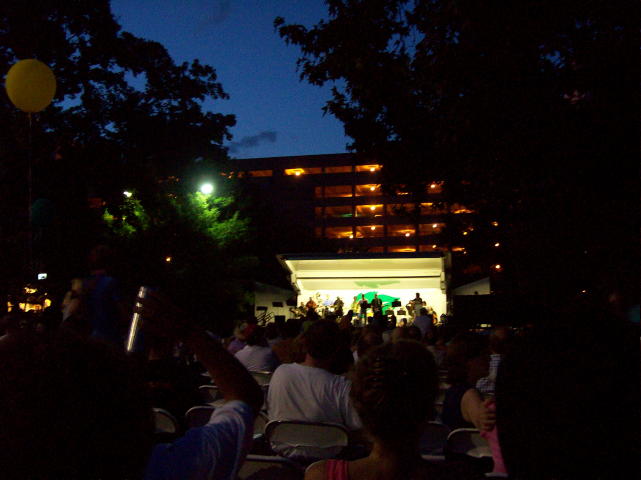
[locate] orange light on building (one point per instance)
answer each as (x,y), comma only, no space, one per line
(372,208)
(433,185)
(351,236)
(434,246)
(371,189)
(434,225)
(495,223)
(465,233)
(372,228)
(498,267)
(168,259)
(497,244)
(407,234)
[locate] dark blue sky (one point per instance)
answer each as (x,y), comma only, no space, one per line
(276,114)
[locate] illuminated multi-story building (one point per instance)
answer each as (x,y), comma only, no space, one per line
(340,198)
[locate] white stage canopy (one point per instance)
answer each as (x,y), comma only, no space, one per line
(395,274)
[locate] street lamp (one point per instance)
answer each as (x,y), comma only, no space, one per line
(206,188)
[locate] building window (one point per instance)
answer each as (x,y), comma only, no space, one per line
(318,212)
(375,249)
(370,231)
(407,231)
(458,208)
(343,169)
(255,173)
(369,210)
(338,232)
(430,208)
(333,191)
(367,190)
(434,187)
(368,168)
(338,211)
(401,209)
(401,248)
(430,228)
(303,171)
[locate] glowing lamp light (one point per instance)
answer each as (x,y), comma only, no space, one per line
(127,194)
(168,259)
(351,236)
(206,188)
(495,223)
(497,244)
(372,208)
(464,233)
(434,225)
(372,169)
(497,267)
(433,185)
(297,173)
(372,228)
(434,246)
(407,234)
(372,189)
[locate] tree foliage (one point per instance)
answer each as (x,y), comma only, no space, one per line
(526,109)
(125,116)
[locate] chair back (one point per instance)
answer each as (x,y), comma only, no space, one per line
(260,423)
(164,421)
(199,415)
(306,440)
(209,393)
(261,377)
(467,441)
(433,441)
(268,466)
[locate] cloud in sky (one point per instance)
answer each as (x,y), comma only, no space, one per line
(215,12)
(253,141)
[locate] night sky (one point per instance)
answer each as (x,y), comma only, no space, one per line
(276,113)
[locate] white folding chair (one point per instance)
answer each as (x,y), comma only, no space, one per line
(209,393)
(199,415)
(467,441)
(433,441)
(261,377)
(306,441)
(164,421)
(256,466)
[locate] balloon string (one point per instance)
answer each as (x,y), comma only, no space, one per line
(30,193)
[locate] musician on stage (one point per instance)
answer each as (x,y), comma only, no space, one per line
(377,305)
(417,304)
(311,305)
(338,307)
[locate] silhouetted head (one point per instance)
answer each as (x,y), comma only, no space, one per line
(394,389)
(467,358)
(322,340)
(71,408)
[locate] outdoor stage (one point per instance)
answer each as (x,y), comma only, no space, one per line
(391,276)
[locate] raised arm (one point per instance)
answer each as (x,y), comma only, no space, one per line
(161,317)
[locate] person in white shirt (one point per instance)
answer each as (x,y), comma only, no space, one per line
(307,391)
(257,355)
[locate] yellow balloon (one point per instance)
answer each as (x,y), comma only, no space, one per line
(30,85)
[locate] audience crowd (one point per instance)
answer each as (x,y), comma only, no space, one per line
(554,401)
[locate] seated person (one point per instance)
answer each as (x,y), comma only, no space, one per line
(467,360)
(395,386)
(257,355)
(567,399)
(307,391)
(96,421)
